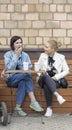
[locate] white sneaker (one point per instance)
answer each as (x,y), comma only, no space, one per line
(60,99)
(48,112)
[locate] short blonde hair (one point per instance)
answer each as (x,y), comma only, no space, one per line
(54,44)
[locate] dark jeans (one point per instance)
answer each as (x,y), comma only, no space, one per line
(49,86)
(24,84)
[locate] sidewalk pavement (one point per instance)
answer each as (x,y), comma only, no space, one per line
(39,122)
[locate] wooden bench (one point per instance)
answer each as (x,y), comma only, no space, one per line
(5,94)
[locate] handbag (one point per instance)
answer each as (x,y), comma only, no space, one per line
(63,83)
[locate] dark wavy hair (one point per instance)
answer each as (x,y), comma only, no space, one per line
(14,39)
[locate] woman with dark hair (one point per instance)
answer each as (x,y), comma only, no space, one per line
(56,68)
(23,81)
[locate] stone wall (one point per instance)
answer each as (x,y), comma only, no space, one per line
(36,21)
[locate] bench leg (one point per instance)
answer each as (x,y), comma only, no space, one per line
(11,101)
(41,105)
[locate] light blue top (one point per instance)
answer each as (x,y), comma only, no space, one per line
(13,62)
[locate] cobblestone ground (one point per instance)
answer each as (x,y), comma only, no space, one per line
(39,122)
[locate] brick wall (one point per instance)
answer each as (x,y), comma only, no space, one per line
(36,21)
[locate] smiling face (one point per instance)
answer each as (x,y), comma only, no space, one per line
(18,44)
(49,49)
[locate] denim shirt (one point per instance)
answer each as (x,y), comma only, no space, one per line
(13,62)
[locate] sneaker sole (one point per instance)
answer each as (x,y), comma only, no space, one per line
(63,102)
(36,109)
(16,113)
(47,116)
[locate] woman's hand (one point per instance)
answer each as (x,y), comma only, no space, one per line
(43,73)
(54,78)
(18,51)
(4,75)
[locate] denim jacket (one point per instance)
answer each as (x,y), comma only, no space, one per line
(13,62)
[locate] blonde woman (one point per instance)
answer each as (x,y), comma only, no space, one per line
(55,67)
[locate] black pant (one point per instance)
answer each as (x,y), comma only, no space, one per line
(49,86)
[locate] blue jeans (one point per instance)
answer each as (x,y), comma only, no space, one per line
(24,84)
